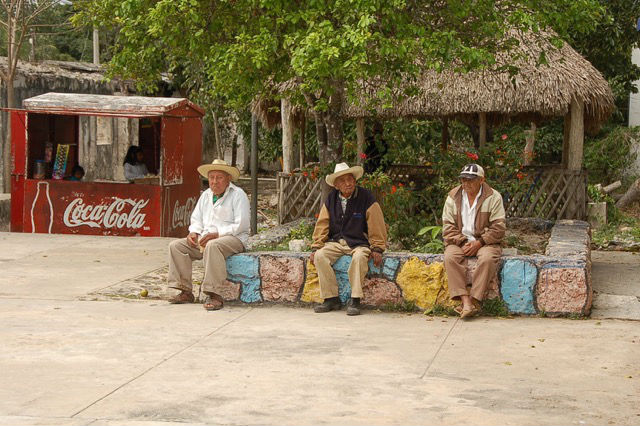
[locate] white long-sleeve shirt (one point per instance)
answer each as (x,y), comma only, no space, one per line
(228,216)
(468,214)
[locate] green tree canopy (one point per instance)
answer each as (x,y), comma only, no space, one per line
(227,52)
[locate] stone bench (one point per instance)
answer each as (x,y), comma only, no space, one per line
(557,283)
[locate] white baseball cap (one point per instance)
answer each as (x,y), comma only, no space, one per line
(472,171)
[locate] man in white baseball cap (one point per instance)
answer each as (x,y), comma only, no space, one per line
(219,228)
(473,222)
(350,223)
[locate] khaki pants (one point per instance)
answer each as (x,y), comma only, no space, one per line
(328,255)
(455,265)
(182,255)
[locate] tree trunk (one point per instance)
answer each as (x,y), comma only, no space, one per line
(334,123)
(216,132)
(360,140)
(303,134)
(287,135)
(6,151)
(321,136)
(482,125)
(446,138)
(631,196)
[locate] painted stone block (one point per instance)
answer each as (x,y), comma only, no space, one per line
(344,288)
(518,280)
(250,290)
(242,266)
(229,291)
(311,292)
(421,283)
(281,277)
(378,292)
(563,289)
(390,267)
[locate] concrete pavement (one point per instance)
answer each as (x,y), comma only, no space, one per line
(69,361)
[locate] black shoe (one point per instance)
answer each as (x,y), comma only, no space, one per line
(331,304)
(353,307)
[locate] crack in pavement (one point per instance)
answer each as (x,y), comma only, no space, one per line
(426,370)
(162,362)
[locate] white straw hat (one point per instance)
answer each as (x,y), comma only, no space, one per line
(344,169)
(220,165)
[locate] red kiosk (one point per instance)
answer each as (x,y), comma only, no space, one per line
(55,131)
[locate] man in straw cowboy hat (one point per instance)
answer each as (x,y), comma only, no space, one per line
(350,222)
(473,221)
(219,228)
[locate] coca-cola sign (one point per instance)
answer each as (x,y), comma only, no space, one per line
(182,212)
(120,213)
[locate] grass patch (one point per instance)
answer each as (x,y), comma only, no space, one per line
(404,306)
(441,311)
(495,308)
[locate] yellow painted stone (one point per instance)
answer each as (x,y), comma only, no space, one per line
(421,283)
(311,292)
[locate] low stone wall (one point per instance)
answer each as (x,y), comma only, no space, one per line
(558,283)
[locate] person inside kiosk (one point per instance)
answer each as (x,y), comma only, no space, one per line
(134,166)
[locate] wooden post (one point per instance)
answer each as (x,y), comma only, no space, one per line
(528,148)
(360,140)
(482,137)
(287,135)
(576,136)
(303,134)
(565,139)
(254,174)
(96,46)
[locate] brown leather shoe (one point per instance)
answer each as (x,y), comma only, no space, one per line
(213,302)
(183,297)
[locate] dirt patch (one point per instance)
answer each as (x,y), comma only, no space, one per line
(529,236)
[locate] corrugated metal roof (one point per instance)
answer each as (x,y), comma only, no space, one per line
(106,104)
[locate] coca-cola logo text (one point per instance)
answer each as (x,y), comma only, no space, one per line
(121,213)
(182,213)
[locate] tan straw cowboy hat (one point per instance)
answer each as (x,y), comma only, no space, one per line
(344,169)
(220,165)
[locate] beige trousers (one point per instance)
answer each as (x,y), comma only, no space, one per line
(328,255)
(182,255)
(455,265)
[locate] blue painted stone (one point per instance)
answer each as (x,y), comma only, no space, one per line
(373,269)
(344,287)
(518,279)
(250,290)
(241,266)
(390,267)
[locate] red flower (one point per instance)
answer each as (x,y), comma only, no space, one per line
(363,155)
(504,136)
(472,155)
(393,189)
(401,185)
(520,175)
(305,174)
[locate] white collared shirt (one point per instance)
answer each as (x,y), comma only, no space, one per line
(228,216)
(343,202)
(468,214)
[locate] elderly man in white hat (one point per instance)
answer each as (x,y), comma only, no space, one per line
(350,223)
(473,222)
(219,228)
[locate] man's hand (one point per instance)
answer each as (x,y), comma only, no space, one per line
(312,258)
(192,239)
(471,248)
(377,258)
(208,237)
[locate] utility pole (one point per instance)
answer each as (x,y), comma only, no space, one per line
(96,46)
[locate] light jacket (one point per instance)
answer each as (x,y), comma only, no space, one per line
(490,224)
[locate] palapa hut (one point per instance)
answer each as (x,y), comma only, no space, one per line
(550,82)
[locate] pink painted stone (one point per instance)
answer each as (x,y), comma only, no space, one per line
(493,290)
(378,292)
(282,278)
(228,291)
(563,290)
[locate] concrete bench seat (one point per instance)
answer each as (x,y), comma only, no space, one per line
(557,283)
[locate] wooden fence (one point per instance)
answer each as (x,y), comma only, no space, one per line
(554,193)
(298,196)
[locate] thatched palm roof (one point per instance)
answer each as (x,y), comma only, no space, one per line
(537,91)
